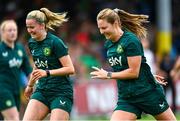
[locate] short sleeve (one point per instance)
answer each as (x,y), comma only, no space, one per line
(60,49)
(133,47)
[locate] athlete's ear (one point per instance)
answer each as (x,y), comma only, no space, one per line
(116,23)
(43,25)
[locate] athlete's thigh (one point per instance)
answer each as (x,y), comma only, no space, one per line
(59,115)
(120,115)
(166,115)
(35,110)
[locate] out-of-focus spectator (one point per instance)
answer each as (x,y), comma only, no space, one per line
(150,57)
(166,65)
(175,72)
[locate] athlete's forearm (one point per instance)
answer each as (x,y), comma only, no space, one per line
(125,74)
(30,78)
(62,71)
(31,81)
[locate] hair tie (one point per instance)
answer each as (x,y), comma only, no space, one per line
(45,15)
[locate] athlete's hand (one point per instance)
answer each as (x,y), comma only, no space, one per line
(38,73)
(98,73)
(28,92)
(161,80)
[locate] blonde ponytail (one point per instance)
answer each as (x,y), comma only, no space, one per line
(49,18)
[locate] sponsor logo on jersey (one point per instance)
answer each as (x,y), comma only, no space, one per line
(20,53)
(15,63)
(119,49)
(40,63)
(5,54)
(47,51)
(115,61)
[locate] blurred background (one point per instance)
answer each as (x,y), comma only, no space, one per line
(95,99)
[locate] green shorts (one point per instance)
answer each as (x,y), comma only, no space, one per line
(9,100)
(54,101)
(152,102)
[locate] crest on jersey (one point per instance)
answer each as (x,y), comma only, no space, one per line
(20,53)
(47,51)
(119,49)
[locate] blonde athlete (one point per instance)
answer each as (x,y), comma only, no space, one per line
(13,60)
(53,65)
(137,89)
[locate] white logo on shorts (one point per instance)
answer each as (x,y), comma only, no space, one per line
(62,102)
(162,105)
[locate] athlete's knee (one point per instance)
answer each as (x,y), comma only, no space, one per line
(59,114)
(11,114)
(13,117)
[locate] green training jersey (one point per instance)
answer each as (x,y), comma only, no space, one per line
(117,52)
(46,56)
(12,62)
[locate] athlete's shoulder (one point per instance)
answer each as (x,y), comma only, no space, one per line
(1,43)
(19,45)
(129,34)
(55,39)
(130,37)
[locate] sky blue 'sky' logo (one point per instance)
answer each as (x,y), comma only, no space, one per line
(119,49)
(47,51)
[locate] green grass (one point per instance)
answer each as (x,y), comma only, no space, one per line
(105,118)
(149,117)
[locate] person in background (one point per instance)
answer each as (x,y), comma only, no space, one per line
(138,90)
(52,68)
(13,60)
(150,57)
(175,72)
(165,68)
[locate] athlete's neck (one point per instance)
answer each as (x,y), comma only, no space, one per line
(9,44)
(118,35)
(42,37)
